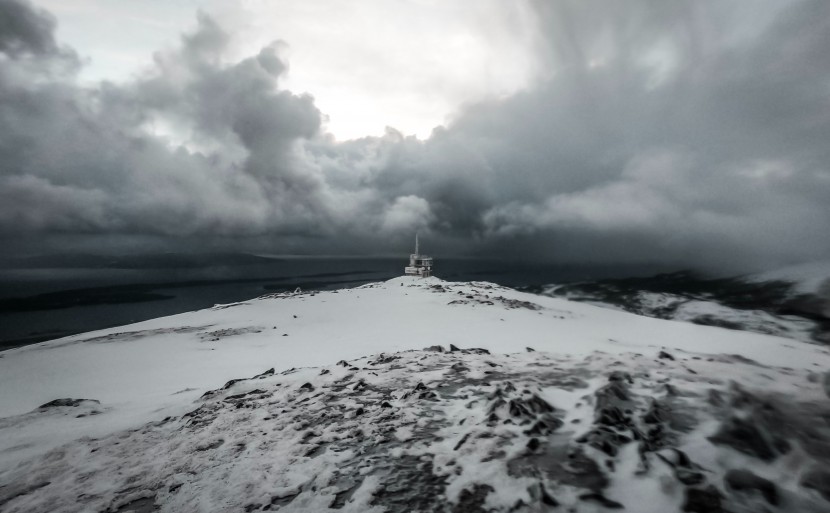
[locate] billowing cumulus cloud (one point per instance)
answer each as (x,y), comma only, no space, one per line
(683,133)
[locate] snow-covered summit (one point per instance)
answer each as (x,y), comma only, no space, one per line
(608,409)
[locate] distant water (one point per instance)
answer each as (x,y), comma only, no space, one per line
(42,301)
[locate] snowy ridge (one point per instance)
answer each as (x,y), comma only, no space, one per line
(809,278)
(609,409)
(792,302)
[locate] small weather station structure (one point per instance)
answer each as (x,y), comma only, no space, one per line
(419,265)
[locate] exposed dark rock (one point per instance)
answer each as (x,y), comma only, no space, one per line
(747,437)
(269,372)
(244,394)
(279,501)
(461,442)
(142,505)
(453,348)
(383,359)
(685,470)
(546,497)
(664,355)
(743,480)
(533,444)
(703,500)
(817,479)
(459,367)
(530,350)
(601,499)
(413,487)
(472,501)
(437,349)
(13,491)
(66,402)
(341,497)
(715,398)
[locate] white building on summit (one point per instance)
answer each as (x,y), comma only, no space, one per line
(419,265)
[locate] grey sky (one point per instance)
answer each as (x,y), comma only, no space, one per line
(686,133)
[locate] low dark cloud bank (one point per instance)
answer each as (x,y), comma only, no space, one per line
(684,133)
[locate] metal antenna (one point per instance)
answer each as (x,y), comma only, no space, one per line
(416,243)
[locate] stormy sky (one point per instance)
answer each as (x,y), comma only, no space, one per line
(687,133)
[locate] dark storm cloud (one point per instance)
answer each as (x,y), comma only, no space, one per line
(25,30)
(99,160)
(667,132)
(680,132)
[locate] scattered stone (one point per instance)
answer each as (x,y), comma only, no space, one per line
(472,501)
(530,350)
(664,355)
(307,386)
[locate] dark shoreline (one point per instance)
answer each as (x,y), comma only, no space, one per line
(147,292)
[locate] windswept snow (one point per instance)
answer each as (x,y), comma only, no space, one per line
(608,408)
(791,303)
(809,278)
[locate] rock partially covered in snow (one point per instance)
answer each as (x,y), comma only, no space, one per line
(462,431)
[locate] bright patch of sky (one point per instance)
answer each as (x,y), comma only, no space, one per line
(370,64)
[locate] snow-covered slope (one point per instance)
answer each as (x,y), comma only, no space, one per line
(608,409)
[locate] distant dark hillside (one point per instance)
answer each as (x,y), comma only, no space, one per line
(778,298)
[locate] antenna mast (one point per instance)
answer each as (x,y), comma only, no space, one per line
(416,244)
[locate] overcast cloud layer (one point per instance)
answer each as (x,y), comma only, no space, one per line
(687,133)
